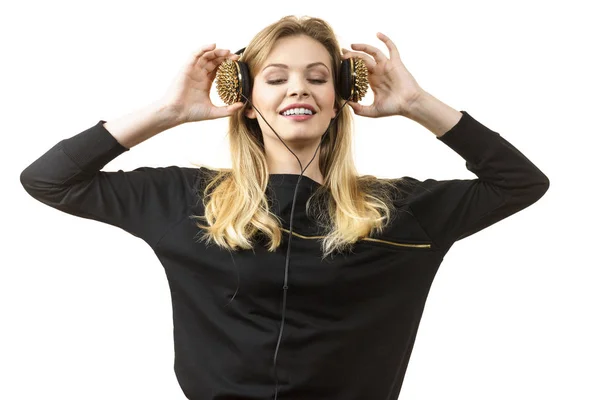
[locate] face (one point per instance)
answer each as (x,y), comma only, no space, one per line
(298,71)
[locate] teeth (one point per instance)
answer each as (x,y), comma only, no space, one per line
(297,111)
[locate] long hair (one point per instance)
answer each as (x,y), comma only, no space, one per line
(348,206)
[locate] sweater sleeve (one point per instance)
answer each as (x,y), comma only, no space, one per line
(144,202)
(451,210)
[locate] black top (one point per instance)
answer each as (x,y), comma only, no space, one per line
(351,319)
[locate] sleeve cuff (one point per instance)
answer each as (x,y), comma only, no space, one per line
(93,148)
(470,139)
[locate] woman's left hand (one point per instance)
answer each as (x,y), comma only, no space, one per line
(395,90)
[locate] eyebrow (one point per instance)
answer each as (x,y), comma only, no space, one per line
(311,65)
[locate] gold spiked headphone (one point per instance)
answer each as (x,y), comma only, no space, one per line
(234,83)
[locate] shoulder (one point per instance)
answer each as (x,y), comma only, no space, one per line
(201,176)
(401,188)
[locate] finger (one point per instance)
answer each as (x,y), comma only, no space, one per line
(225,111)
(394,53)
(359,109)
(213,69)
(213,65)
(199,52)
(372,50)
(370,63)
(211,55)
(204,48)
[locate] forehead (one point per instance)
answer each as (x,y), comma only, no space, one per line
(297,52)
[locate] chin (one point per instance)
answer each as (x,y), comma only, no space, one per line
(300,133)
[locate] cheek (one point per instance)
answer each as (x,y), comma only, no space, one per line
(328,100)
(266,96)
(328,91)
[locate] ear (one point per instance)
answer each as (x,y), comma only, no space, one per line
(335,110)
(250,113)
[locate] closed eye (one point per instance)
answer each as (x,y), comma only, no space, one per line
(280,81)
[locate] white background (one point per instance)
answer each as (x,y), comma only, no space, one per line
(513,311)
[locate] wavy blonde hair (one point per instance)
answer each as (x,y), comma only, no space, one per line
(348,206)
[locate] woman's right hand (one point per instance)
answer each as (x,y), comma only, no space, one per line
(188,95)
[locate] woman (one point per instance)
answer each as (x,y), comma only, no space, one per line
(335,315)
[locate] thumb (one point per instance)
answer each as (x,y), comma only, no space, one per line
(358,108)
(226,111)
(361,110)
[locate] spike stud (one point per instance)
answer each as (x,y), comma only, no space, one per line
(360,81)
(228,82)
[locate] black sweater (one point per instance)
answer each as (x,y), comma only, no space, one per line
(351,320)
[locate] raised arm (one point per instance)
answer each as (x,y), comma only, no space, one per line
(450,210)
(145,201)
(453,209)
(68,177)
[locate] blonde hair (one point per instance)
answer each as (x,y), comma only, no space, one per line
(348,206)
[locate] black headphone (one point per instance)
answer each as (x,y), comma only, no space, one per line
(234,84)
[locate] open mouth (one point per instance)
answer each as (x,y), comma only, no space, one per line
(298,114)
(297,111)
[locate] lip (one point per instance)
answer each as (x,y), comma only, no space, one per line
(298,117)
(299,105)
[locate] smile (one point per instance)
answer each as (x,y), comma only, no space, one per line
(298,113)
(299,117)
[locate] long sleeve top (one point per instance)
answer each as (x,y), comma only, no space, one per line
(351,320)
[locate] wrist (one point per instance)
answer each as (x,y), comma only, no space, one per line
(416,105)
(169,115)
(433,114)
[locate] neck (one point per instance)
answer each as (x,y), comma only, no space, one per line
(281,161)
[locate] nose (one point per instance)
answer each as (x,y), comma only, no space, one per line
(297,87)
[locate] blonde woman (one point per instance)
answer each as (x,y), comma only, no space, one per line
(320,303)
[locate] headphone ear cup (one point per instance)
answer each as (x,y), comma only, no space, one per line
(344,80)
(246,82)
(233,81)
(353,81)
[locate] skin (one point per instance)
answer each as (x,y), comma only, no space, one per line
(396,93)
(276,87)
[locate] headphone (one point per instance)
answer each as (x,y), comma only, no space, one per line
(234,84)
